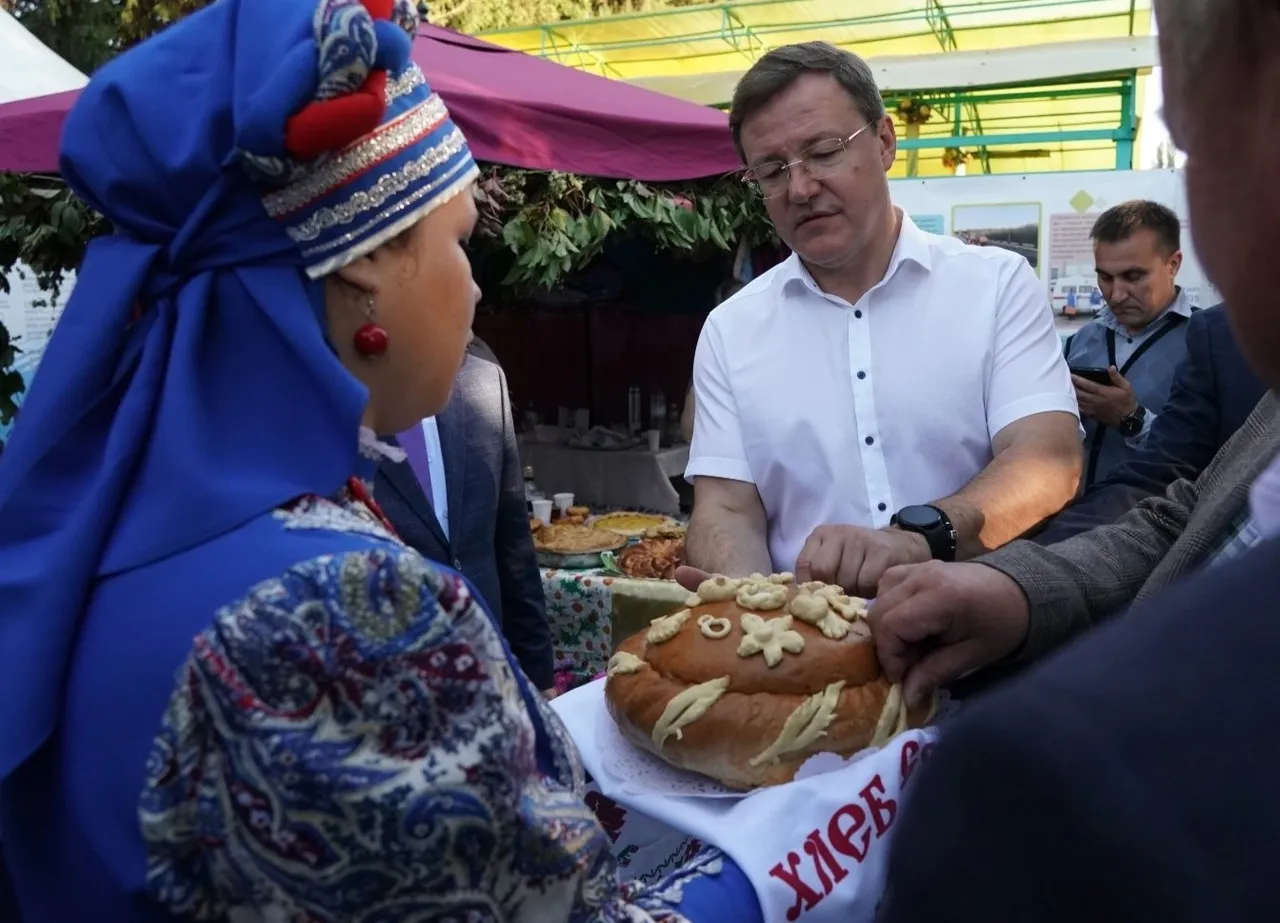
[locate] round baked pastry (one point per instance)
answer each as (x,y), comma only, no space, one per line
(753,677)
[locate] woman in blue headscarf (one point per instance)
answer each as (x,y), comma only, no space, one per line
(227,692)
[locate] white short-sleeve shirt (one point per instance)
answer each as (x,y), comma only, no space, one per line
(843,413)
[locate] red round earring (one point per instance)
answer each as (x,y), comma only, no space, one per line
(371,339)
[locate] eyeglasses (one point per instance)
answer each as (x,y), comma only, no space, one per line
(818,161)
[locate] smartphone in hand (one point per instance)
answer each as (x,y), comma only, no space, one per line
(1092,373)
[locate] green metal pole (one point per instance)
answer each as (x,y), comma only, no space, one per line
(1128,119)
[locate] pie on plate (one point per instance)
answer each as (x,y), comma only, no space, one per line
(752,678)
(632,525)
(666,530)
(570,538)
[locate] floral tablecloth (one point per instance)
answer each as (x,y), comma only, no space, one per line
(588,611)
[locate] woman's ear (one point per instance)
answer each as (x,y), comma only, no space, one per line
(364,274)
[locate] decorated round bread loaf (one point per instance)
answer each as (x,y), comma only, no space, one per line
(753,677)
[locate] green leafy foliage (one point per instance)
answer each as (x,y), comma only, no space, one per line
(82,32)
(43,225)
(554,224)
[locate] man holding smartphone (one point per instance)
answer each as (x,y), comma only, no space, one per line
(1122,364)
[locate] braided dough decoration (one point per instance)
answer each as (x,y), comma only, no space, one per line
(665,628)
(686,708)
(893,718)
(806,724)
(622,663)
(762,597)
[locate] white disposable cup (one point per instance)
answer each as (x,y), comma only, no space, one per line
(563,501)
(655,440)
(542,510)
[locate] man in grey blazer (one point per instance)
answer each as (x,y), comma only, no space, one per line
(477,520)
(1016,604)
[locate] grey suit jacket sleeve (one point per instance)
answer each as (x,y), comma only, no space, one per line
(524,606)
(1075,583)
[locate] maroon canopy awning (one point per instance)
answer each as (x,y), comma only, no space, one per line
(514,108)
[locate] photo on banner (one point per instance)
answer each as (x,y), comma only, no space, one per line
(1064,207)
(1013,226)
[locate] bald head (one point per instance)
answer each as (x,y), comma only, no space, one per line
(1220,68)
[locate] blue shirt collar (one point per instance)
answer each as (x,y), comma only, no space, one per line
(1180,306)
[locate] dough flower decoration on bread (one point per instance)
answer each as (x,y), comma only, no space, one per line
(770,638)
(752,677)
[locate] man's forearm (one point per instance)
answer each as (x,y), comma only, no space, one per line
(1019,489)
(723,542)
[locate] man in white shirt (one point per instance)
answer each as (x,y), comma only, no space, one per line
(884,396)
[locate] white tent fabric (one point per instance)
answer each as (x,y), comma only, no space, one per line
(28,68)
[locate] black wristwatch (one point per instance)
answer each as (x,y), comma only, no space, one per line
(933,524)
(1131,424)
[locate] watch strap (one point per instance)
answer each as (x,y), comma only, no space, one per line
(941,537)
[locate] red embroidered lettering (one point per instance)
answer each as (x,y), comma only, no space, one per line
(842,838)
(909,760)
(610,814)
(806,897)
(882,811)
(823,861)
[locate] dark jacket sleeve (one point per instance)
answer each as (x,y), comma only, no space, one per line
(1025,816)
(1183,440)
(524,607)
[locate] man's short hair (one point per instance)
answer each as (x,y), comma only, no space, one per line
(1120,222)
(777,70)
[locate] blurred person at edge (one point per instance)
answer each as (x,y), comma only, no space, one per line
(814,453)
(1131,777)
(227,690)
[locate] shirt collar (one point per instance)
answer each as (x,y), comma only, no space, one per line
(1180,306)
(912,247)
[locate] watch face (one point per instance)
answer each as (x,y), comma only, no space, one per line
(919,517)
(1131,425)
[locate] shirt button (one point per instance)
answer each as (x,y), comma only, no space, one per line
(857,314)
(882,507)
(862,375)
(457,564)
(871,440)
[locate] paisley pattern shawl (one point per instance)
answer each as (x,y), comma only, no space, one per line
(350,743)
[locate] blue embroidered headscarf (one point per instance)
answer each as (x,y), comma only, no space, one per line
(188,388)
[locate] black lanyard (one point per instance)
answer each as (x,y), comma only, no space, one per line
(1100,430)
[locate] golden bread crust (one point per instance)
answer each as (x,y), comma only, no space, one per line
(832,683)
